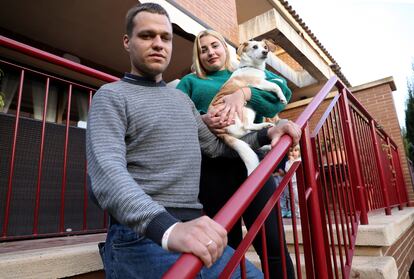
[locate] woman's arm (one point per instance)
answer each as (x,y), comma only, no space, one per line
(265,103)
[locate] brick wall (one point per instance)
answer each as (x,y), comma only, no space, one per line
(219,15)
(294,113)
(403,253)
(380,104)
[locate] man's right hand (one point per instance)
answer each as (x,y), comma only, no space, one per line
(202,237)
(290,128)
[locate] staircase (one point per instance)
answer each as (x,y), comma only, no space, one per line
(384,248)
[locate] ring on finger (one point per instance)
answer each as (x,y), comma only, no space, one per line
(209,243)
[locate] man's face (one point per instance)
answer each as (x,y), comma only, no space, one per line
(150,45)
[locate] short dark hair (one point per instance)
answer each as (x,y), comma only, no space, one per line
(145,7)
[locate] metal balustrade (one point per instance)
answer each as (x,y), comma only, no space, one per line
(338,183)
(43,181)
(349,166)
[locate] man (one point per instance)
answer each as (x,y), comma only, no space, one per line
(143,151)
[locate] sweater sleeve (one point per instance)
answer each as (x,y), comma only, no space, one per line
(114,187)
(265,103)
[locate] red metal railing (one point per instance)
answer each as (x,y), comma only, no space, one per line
(63,204)
(337,180)
(389,180)
(338,183)
(54,59)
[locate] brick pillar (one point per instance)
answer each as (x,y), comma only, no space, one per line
(219,15)
(380,104)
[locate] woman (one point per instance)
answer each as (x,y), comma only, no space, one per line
(220,177)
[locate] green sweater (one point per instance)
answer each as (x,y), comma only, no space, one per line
(202,92)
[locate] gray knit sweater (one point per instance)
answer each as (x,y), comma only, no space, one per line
(143,150)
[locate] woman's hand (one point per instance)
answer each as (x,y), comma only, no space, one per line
(233,104)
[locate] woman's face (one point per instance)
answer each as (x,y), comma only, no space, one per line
(212,54)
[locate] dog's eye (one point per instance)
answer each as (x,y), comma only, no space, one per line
(265,47)
(255,46)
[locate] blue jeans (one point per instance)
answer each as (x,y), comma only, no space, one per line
(284,198)
(127,255)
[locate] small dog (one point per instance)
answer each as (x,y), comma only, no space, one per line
(250,72)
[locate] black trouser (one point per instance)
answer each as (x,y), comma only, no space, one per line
(220,178)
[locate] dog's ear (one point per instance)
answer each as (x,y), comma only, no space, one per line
(241,48)
(270,44)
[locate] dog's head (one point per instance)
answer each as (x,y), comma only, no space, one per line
(254,52)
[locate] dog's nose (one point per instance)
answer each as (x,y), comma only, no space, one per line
(265,52)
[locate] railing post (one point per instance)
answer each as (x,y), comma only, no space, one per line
(351,150)
(381,168)
(394,174)
(320,254)
(400,174)
(12,159)
(65,163)
(40,163)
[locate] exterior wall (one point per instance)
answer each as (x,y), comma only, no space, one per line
(219,15)
(403,253)
(294,113)
(379,102)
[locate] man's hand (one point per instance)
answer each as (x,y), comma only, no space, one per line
(213,123)
(202,237)
(290,128)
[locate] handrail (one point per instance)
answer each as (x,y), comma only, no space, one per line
(43,55)
(27,69)
(316,101)
(236,205)
(254,229)
(325,116)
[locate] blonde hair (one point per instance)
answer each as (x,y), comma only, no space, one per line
(197,67)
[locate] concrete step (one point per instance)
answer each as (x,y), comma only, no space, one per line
(75,259)
(362,267)
(50,258)
(74,255)
(382,231)
(373,241)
